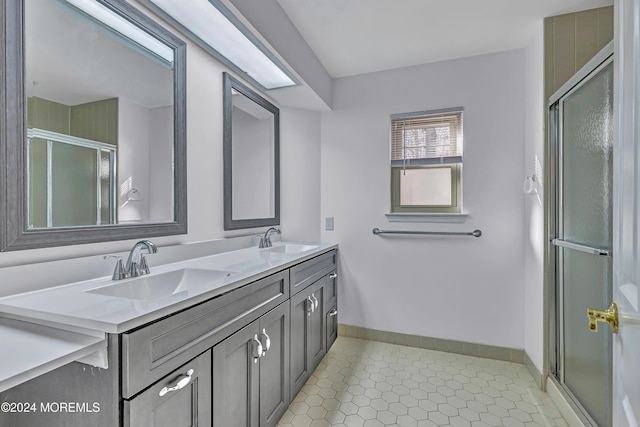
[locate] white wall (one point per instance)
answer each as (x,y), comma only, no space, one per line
(534,210)
(300,163)
(300,174)
(252,166)
(133,161)
(161,160)
(458,288)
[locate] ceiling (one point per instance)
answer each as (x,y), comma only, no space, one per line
(352,37)
(71,60)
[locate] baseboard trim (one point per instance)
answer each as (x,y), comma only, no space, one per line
(567,410)
(459,347)
(533,370)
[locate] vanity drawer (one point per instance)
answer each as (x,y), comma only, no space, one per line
(172,403)
(304,274)
(151,352)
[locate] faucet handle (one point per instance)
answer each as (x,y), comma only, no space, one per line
(119,272)
(143,268)
(134,270)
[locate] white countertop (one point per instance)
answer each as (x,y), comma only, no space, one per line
(72,305)
(29,350)
(43,330)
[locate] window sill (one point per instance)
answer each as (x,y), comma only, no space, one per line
(427,217)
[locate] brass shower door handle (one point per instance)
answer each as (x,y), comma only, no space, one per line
(609,316)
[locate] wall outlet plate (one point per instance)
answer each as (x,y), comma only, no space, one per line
(328,223)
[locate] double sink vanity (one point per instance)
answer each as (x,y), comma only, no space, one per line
(226,337)
(222,340)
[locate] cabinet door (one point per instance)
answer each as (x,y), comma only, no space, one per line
(274,365)
(331,291)
(332,326)
(299,362)
(317,325)
(181,399)
(235,379)
(307,333)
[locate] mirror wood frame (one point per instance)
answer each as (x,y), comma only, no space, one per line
(14,232)
(230,83)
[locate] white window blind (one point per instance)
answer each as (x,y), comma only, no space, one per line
(426,138)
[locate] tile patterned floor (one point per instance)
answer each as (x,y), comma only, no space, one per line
(371,384)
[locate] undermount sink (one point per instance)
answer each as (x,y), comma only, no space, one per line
(161,285)
(291,248)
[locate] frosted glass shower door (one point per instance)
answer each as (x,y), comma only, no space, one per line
(584,240)
(71,181)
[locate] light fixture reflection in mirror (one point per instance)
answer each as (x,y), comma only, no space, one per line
(251,158)
(96,101)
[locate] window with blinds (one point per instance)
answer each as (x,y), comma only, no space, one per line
(426,138)
(426,161)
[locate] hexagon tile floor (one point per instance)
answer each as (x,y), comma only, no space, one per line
(368,383)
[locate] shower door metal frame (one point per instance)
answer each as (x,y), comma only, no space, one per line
(100,147)
(555,111)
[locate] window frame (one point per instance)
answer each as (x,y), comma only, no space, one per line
(456,191)
(451,162)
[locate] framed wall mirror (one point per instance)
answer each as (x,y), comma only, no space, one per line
(251,150)
(93,143)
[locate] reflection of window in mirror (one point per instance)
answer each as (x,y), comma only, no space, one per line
(99,117)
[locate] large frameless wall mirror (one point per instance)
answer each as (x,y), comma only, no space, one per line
(251,158)
(94,136)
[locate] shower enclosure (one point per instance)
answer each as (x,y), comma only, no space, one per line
(580,226)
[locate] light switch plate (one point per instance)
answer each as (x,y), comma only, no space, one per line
(328,223)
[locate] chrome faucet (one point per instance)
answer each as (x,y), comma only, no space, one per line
(265,241)
(136,262)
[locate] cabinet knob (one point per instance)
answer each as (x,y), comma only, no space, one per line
(265,341)
(333,312)
(333,275)
(180,384)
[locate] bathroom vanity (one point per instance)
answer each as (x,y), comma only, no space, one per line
(231,344)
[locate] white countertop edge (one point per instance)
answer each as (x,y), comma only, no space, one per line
(63,321)
(37,339)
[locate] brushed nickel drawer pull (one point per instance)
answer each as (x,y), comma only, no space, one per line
(182,383)
(266,343)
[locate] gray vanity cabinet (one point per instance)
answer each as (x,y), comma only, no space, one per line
(331,317)
(182,398)
(236,381)
(307,333)
(237,359)
(251,381)
(274,366)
